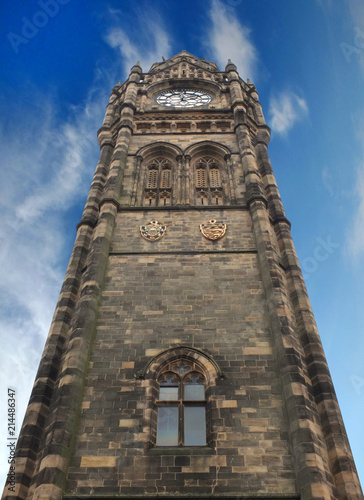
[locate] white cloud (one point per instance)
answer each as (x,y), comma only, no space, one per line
(286,110)
(17,371)
(229,39)
(132,46)
(48,167)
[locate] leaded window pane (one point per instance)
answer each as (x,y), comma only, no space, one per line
(194,391)
(194,426)
(181,368)
(167,430)
(181,419)
(168,393)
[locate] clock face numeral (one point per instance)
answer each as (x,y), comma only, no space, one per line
(184,98)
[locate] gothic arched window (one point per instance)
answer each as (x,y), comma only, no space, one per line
(208,182)
(181,404)
(158,187)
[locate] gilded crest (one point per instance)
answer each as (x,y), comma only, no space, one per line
(213,230)
(153,231)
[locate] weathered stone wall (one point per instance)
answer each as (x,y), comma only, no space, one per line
(183,289)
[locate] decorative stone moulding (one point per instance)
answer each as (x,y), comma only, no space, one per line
(153,231)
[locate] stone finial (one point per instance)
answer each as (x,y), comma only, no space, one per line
(116,88)
(136,68)
(250,83)
(230,66)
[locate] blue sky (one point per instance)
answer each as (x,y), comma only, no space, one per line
(59,62)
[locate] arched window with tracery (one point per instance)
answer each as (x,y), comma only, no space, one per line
(181,405)
(209,189)
(158,186)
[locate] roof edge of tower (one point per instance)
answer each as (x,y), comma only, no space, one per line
(165,62)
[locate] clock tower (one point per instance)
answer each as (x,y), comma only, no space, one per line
(183,358)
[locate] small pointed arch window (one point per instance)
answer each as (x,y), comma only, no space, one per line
(208,182)
(215,181)
(181,404)
(201,177)
(166,177)
(152,178)
(158,186)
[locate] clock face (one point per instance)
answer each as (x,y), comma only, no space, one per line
(184,98)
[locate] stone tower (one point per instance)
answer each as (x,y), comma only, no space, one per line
(183,358)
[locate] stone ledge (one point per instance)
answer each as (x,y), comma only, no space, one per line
(182,450)
(237,496)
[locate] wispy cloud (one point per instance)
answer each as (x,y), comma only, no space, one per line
(132,45)
(286,110)
(352,44)
(355,237)
(327,180)
(48,167)
(357,15)
(66,172)
(227,39)
(355,233)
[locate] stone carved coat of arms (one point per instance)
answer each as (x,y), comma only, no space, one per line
(153,231)
(213,230)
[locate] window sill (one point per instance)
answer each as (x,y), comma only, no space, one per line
(180,450)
